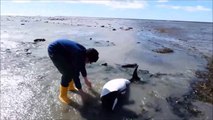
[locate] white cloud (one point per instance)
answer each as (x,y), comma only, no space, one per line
(21,1)
(197,8)
(130,5)
(125,4)
(114,4)
(13,14)
(161,1)
(186,8)
(88,2)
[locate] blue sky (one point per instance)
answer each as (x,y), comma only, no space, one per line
(183,10)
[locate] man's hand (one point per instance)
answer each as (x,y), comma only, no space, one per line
(87,82)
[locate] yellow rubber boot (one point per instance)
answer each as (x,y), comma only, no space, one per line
(72,87)
(63,95)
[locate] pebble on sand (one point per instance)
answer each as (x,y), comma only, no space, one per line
(163,50)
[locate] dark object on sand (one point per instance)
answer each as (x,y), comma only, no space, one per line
(204,87)
(102,26)
(8,50)
(28,53)
(104,64)
(129,65)
(97,42)
(39,40)
(90,38)
(129,28)
(22,24)
(163,50)
(183,107)
(114,29)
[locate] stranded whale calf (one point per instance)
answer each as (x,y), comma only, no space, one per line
(114,90)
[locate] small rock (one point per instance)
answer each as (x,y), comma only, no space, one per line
(114,29)
(163,50)
(39,40)
(129,28)
(8,50)
(113,44)
(28,53)
(104,64)
(129,65)
(90,38)
(158,109)
(26,50)
(97,42)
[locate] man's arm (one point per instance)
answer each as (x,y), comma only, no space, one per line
(84,72)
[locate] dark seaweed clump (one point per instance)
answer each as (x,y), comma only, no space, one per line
(39,40)
(204,87)
(183,106)
(163,50)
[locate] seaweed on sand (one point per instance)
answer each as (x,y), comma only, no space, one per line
(183,106)
(204,88)
(163,50)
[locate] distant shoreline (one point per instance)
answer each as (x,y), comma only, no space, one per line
(111,18)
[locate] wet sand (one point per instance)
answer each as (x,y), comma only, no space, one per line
(30,82)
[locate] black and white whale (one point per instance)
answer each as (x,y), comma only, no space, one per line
(114,90)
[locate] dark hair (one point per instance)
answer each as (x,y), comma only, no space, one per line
(92,54)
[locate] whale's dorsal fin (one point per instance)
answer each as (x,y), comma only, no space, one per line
(135,75)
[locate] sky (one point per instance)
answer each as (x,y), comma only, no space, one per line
(180,10)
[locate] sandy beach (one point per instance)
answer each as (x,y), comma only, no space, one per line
(169,53)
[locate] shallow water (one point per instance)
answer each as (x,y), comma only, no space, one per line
(30,82)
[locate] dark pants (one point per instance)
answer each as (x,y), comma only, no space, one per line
(64,67)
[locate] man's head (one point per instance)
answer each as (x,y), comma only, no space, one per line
(92,55)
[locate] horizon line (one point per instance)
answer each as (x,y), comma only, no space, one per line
(112,18)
